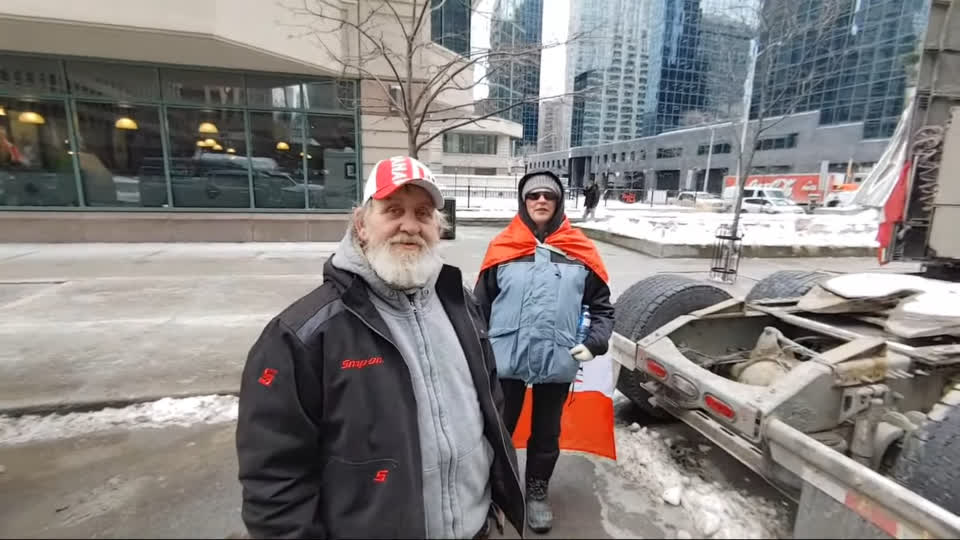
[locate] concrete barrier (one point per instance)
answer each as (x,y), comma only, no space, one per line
(146,226)
(683,251)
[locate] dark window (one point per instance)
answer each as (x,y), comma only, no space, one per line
(121,158)
(666,153)
(329,95)
(332,168)
(117,81)
(36,162)
(465,143)
(273,92)
(204,145)
(777,143)
(28,75)
(207,87)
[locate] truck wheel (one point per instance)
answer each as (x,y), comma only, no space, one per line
(928,461)
(646,306)
(785,284)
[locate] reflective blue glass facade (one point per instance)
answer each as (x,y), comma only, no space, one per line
(517,26)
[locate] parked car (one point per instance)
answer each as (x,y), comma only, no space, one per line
(702,200)
(771,205)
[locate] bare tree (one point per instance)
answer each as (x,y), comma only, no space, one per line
(792,50)
(430,88)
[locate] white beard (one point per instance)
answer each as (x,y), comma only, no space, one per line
(405,270)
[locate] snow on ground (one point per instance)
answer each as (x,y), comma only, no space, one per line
(506,207)
(166,412)
(700,228)
(645,457)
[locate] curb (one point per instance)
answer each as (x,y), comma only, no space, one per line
(98,405)
(468,221)
(702,251)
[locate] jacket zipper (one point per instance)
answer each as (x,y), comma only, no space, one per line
(500,428)
(503,442)
(446,437)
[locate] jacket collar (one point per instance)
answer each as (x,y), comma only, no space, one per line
(355,293)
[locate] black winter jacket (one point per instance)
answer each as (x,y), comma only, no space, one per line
(327,434)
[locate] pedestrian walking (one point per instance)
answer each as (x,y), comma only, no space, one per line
(370,408)
(538,277)
(591,198)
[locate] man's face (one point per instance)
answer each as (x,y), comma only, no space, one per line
(540,206)
(399,235)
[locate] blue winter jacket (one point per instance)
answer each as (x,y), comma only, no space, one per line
(532,305)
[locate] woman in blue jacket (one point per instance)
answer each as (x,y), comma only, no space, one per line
(535,279)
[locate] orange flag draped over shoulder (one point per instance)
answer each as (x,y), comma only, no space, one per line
(517,240)
(588,418)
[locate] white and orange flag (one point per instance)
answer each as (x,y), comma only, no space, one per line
(587,421)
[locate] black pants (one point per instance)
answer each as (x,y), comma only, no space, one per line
(543,446)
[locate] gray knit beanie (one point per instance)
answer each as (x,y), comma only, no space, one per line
(540,182)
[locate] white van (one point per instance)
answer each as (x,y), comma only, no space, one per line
(730,193)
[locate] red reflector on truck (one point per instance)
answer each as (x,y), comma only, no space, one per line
(719,407)
(656,369)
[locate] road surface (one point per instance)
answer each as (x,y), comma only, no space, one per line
(88,323)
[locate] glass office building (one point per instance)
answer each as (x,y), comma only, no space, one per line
(699,51)
(450,24)
(517,25)
(84,133)
(607,70)
(860,68)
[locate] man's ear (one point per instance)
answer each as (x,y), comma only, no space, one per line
(360,227)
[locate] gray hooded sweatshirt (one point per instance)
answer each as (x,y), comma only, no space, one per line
(456,456)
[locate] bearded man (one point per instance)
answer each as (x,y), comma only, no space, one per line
(371,407)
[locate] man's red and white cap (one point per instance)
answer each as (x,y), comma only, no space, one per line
(392,174)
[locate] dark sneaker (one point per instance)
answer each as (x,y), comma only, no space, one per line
(539,513)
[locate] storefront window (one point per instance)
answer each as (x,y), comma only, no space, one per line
(30,75)
(215,88)
(36,163)
(273,92)
(120,156)
(113,81)
(208,158)
(173,137)
(276,140)
(330,95)
(332,167)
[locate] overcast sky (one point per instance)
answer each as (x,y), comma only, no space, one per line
(553,61)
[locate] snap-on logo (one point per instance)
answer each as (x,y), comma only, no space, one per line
(381,476)
(360,364)
(267,378)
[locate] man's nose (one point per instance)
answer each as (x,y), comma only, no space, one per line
(409,224)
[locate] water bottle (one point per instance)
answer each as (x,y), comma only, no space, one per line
(584,325)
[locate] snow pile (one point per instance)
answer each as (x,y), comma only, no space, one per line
(162,413)
(507,207)
(670,471)
(700,228)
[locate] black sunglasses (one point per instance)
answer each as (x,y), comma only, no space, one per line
(548,195)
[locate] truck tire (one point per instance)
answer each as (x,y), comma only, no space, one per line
(646,306)
(928,462)
(785,284)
